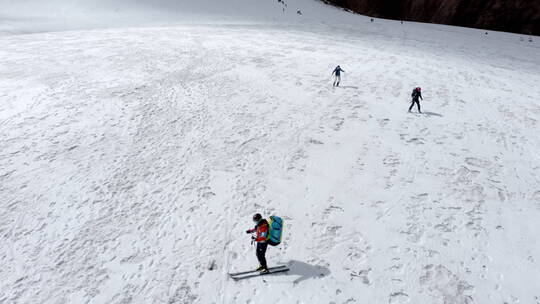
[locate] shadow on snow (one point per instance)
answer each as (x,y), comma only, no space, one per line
(304,271)
(432,114)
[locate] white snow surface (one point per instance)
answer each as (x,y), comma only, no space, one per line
(133,156)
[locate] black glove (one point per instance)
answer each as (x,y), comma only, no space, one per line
(253,237)
(248,231)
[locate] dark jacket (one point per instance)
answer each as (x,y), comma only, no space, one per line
(337,71)
(416,94)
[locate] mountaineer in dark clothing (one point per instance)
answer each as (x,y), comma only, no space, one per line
(337,71)
(416,93)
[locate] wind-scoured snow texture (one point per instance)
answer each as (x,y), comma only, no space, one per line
(132,160)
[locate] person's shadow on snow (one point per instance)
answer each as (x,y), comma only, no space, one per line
(431,114)
(305,271)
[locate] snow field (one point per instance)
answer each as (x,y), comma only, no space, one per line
(132,160)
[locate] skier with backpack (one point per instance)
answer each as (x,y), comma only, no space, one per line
(337,71)
(416,93)
(267,233)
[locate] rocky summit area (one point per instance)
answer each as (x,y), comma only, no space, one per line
(518,16)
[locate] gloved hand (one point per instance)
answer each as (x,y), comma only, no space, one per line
(248,231)
(253,238)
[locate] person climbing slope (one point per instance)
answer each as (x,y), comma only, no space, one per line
(337,71)
(416,93)
(261,229)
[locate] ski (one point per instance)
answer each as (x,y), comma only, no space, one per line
(255,273)
(250,271)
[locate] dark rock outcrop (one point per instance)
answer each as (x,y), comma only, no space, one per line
(518,16)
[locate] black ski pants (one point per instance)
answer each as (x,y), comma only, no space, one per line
(415,100)
(261,251)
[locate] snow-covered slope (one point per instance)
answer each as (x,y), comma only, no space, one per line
(132,160)
(34,16)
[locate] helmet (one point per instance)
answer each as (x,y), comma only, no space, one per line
(419,89)
(257,217)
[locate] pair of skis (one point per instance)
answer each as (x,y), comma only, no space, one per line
(255,273)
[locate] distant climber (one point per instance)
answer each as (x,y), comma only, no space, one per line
(261,230)
(299,12)
(416,93)
(337,71)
